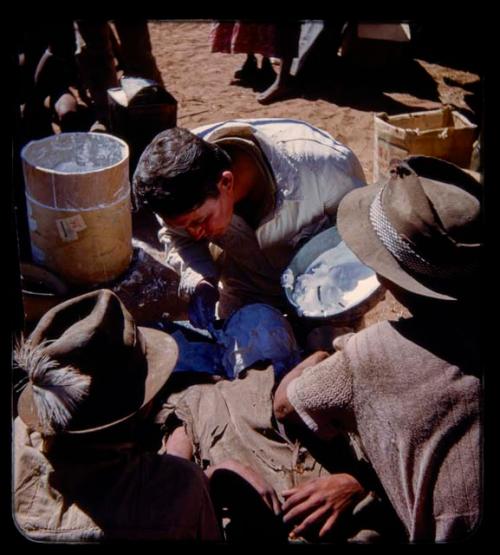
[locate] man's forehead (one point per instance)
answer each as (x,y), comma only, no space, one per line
(187,218)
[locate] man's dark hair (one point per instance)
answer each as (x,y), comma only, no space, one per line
(177,172)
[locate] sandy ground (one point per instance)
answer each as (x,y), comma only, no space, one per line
(342,100)
(199,80)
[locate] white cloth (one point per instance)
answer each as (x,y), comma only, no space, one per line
(311,171)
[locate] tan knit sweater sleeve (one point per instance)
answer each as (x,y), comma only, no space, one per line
(322,393)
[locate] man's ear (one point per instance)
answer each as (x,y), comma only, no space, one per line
(227,181)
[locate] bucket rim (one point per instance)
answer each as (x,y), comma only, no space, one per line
(49,138)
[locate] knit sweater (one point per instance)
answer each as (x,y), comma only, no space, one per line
(416,404)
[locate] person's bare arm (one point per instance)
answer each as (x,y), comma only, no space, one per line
(283,409)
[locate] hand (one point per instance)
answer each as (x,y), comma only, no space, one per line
(201,310)
(320,502)
(265,491)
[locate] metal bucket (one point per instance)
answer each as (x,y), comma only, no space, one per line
(307,255)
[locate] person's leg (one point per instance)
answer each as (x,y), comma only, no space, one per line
(51,77)
(267,75)
(248,70)
(285,41)
(97,64)
(136,51)
(281,85)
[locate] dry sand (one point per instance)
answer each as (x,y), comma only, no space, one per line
(343,104)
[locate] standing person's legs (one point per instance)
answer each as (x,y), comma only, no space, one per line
(49,73)
(136,50)
(249,70)
(280,87)
(97,64)
(58,69)
(286,41)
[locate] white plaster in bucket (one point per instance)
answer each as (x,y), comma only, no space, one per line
(78,195)
(75,152)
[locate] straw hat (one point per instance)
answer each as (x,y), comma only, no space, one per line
(90,367)
(420,230)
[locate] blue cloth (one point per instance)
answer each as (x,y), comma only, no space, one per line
(198,356)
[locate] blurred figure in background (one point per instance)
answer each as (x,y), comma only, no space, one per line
(103,49)
(271,40)
(50,86)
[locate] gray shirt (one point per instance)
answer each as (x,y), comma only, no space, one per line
(415,397)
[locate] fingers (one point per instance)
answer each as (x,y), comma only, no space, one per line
(288,492)
(312,519)
(294,496)
(275,503)
(266,492)
(270,498)
(297,510)
(329,524)
(269,495)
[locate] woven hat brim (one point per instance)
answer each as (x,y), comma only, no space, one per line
(353,223)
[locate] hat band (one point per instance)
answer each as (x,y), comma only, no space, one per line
(400,247)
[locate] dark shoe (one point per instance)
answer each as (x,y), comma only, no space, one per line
(267,73)
(248,70)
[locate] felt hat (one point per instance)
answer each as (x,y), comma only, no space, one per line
(421,229)
(90,367)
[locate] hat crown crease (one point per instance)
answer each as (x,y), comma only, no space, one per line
(410,226)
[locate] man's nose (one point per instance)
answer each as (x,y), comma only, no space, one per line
(196,232)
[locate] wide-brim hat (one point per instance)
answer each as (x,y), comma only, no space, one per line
(421,229)
(108,368)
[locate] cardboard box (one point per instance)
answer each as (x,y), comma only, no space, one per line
(443,133)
